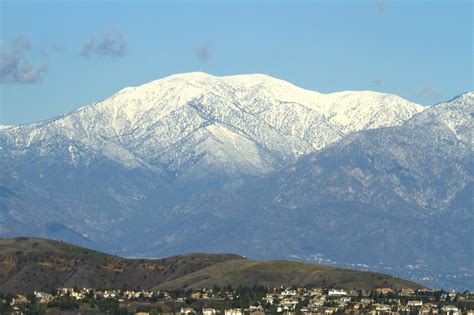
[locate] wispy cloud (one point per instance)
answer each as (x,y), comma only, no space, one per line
(203,52)
(14,64)
(111,42)
(429,93)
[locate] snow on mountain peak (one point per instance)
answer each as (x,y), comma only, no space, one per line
(2,127)
(457,115)
(465,101)
(359,110)
(160,97)
(177,121)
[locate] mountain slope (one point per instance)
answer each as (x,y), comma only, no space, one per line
(144,151)
(28,264)
(394,196)
(151,125)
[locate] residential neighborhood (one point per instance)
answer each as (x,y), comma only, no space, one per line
(240,301)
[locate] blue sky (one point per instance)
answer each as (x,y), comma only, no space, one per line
(60,55)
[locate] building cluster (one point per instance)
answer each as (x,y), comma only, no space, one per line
(285,301)
(380,301)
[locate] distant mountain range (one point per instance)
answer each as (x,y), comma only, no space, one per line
(29,264)
(253,165)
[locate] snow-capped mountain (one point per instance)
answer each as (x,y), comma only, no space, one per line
(422,166)
(185,124)
(395,196)
(244,163)
(148,148)
(457,115)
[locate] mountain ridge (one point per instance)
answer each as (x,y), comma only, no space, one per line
(144,93)
(186,158)
(397,196)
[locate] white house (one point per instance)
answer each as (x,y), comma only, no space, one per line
(451,310)
(208,311)
(187,310)
(415,303)
(336,292)
(234,311)
(43,297)
(289,293)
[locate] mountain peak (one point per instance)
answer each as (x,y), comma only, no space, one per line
(2,127)
(456,115)
(467,96)
(140,171)
(248,123)
(195,75)
(205,79)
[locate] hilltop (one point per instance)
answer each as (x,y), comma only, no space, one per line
(28,264)
(277,273)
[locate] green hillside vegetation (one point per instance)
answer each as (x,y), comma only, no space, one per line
(28,264)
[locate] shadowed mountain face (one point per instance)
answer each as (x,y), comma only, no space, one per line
(248,164)
(28,264)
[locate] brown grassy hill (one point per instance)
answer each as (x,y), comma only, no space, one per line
(28,264)
(275,273)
